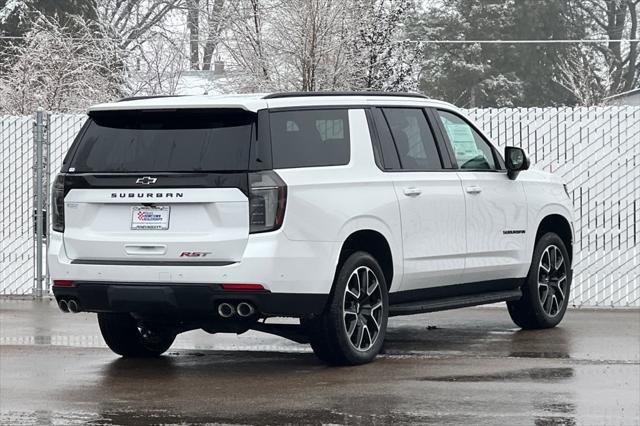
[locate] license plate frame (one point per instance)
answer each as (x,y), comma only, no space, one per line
(150,218)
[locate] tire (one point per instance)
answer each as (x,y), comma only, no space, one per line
(545,294)
(345,333)
(122,334)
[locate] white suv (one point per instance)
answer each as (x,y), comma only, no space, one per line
(340,209)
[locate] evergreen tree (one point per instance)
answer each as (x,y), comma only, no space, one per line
(492,74)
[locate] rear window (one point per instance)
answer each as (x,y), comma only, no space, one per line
(310,138)
(165,141)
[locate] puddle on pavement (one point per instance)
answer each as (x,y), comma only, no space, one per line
(549,355)
(530,374)
(142,417)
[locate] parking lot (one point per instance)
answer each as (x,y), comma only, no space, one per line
(470,366)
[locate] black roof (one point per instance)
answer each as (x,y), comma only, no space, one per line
(364,93)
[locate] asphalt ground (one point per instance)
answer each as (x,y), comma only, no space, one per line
(468,366)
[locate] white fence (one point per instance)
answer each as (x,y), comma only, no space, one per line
(596,150)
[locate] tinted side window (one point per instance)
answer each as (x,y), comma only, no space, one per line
(470,149)
(309,138)
(413,138)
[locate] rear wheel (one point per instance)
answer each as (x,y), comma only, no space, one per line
(126,337)
(351,331)
(545,293)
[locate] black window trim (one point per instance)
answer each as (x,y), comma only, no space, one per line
(376,145)
(261,144)
(379,123)
(497,158)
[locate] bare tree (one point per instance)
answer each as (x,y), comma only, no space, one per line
(617,20)
(310,33)
(159,69)
(245,45)
(215,23)
(193,25)
(581,73)
(131,21)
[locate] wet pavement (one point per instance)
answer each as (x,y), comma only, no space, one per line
(469,366)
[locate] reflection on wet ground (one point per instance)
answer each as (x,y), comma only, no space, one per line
(470,366)
(526,375)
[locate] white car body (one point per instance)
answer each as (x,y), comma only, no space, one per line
(443,228)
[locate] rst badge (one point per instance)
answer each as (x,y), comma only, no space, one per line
(150,217)
(195,253)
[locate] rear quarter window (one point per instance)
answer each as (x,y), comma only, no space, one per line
(310,138)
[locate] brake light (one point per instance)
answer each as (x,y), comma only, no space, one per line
(63,283)
(242,286)
(57,204)
(267,201)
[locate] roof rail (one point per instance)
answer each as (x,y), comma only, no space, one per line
(363,93)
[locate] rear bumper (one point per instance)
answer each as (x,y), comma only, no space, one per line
(183,299)
(269,259)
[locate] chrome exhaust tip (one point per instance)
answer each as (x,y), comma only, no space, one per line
(226,310)
(245,309)
(64,307)
(73,306)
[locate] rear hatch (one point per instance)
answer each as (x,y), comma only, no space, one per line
(166,187)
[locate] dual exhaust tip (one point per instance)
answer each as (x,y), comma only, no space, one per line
(225,310)
(70,305)
(242,309)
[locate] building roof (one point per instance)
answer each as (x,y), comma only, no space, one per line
(256,101)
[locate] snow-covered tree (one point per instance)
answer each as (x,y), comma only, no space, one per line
(61,66)
(158,68)
(379,56)
(320,45)
(245,44)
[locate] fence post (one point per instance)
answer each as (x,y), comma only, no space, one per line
(39,200)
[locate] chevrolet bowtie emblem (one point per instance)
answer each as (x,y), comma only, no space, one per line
(147,180)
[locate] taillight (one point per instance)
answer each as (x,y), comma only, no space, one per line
(267,201)
(57,204)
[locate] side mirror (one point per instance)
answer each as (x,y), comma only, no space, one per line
(516,161)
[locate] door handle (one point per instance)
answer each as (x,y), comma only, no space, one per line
(473,189)
(412,192)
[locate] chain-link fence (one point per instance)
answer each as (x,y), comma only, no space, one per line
(16,193)
(18,162)
(596,150)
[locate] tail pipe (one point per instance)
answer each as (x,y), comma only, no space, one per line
(62,304)
(226,310)
(245,309)
(73,306)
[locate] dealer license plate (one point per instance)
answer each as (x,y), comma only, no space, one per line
(150,218)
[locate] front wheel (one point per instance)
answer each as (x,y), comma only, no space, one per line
(126,337)
(545,293)
(351,331)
